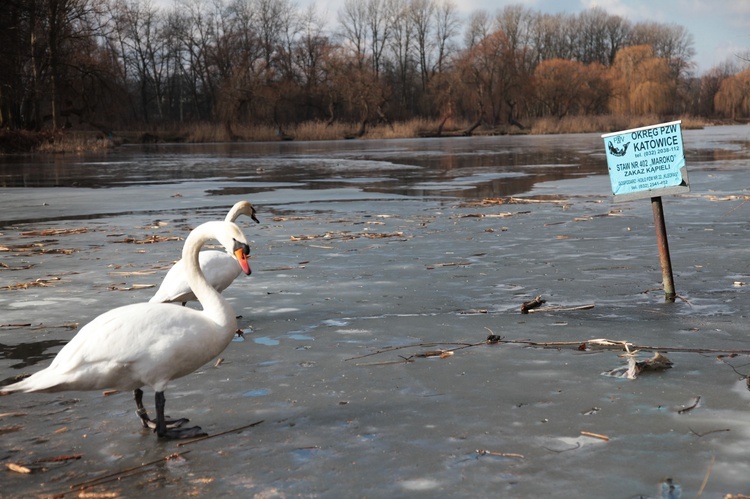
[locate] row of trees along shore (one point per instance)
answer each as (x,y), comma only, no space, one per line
(138,64)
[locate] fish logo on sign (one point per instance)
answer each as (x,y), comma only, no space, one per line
(618,152)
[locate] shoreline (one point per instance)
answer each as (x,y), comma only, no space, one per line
(87,139)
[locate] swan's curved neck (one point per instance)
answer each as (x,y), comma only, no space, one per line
(214,305)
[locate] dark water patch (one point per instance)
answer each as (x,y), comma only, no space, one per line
(29,354)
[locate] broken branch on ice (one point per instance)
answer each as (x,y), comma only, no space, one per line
(595,435)
(560,309)
(692,406)
(531,304)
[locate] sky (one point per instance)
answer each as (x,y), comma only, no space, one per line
(720,28)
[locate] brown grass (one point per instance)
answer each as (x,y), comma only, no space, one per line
(211,132)
(74,142)
(412,129)
(12,142)
(314,130)
(606,123)
(319,130)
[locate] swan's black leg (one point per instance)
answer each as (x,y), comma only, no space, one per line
(140,410)
(163,431)
(146,421)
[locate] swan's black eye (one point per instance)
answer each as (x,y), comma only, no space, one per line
(241,246)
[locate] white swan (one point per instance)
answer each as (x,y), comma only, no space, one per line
(220,268)
(150,344)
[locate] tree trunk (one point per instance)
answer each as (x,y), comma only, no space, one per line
(35,92)
(480,118)
(363,123)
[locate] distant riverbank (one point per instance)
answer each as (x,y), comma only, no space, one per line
(81,139)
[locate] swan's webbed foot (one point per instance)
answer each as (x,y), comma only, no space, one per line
(151,424)
(163,428)
(146,421)
(181,433)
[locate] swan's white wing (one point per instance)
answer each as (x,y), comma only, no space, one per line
(219,268)
(144,344)
(173,287)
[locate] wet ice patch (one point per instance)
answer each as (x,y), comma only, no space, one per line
(335,322)
(420,484)
(349,165)
(33,304)
(302,337)
(265,340)
(468,182)
(260,392)
(353,331)
(282,310)
(742,389)
(307,454)
(356,180)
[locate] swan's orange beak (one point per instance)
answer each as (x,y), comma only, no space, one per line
(241,252)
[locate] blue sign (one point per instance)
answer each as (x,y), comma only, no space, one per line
(646,162)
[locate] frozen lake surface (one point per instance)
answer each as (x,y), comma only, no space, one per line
(372,258)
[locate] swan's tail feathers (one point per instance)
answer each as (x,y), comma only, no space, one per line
(39,382)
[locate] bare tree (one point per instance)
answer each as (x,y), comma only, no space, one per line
(447,26)
(401,50)
(380,23)
(550,36)
(139,26)
(618,33)
(516,23)
(313,54)
(593,36)
(352,20)
(67,22)
(480,73)
(16,79)
(669,41)
(420,14)
(479,27)
(312,48)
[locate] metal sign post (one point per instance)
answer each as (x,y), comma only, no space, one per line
(649,162)
(661,241)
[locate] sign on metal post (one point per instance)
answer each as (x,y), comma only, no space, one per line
(649,162)
(646,162)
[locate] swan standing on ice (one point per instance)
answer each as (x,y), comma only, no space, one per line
(220,268)
(150,344)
